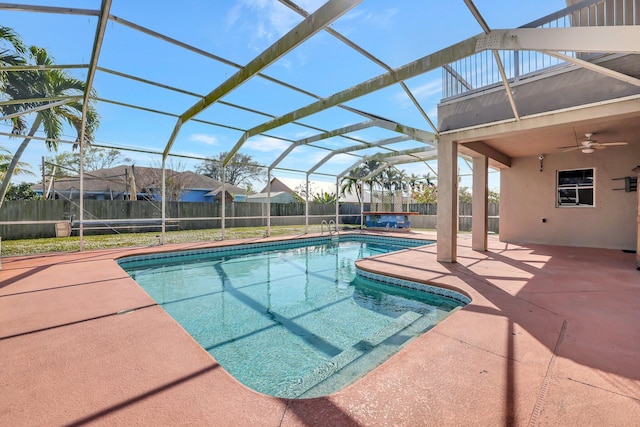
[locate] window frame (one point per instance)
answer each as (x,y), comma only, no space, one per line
(576,187)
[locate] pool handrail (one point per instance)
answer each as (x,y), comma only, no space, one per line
(328,224)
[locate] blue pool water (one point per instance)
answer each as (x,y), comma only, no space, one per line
(292,322)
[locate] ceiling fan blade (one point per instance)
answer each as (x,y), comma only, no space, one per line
(565,149)
(614,143)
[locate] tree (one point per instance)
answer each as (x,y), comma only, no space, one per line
(428,194)
(465,195)
(12,51)
(354,180)
(102,158)
(5,160)
(48,83)
(68,163)
(423,188)
(176,180)
(22,191)
(324,198)
(494,196)
(241,170)
(417,182)
(349,185)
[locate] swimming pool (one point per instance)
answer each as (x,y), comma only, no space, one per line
(293,319)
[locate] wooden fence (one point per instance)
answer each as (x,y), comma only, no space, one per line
(38,217)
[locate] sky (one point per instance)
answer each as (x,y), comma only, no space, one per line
(396,32)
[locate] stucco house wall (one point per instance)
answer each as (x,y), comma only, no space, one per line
(528,196)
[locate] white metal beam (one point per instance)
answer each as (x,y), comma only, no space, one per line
(503,75)
(101,27)
(409,132)
(381,157)
(40,108)
(344,150)
(324,135)
(44,67)
(595,67)
(35,100)
(432,154)
(336,132)
(324,16)
(49,9)
(618,39)
(427,63)
(220,59)
(367,55)
(321,136)
(417,134)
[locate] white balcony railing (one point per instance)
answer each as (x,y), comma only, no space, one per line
(480,71)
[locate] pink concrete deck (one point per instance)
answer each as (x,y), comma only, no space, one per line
(552,337)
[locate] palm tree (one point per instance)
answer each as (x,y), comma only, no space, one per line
(12,52)
(5,159)
(352,183)
(429,180)
(46,84)
(324,198)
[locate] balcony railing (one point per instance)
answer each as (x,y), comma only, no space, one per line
(481,71)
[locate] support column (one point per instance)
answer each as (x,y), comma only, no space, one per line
(637,170)
(269,203)
(447,224)
(306,205)
(480,204)
(337,204)
(361,204)
(223,204)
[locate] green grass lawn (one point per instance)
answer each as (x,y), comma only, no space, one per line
(123,240)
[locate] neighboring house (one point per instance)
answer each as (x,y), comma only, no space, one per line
(123,182)
(215,195)
(296,189)
(279,191)
(276,197)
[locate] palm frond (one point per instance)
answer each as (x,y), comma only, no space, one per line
(9,35)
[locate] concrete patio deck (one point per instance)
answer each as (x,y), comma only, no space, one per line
(552,337)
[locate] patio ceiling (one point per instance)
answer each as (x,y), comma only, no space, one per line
(337,120)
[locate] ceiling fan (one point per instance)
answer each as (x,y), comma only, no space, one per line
(589,145)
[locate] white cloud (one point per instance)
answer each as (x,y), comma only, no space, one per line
(338,159)
(342,159)
(428,89)
(311,5)
(382,19)
(204,138)
(266,144)
(378,19)
(421,93)
(270,19)
(304,134)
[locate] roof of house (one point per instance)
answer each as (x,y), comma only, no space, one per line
(115,180)
(229,188)
(277,196)
(297,186)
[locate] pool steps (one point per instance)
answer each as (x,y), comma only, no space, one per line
(306,384)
